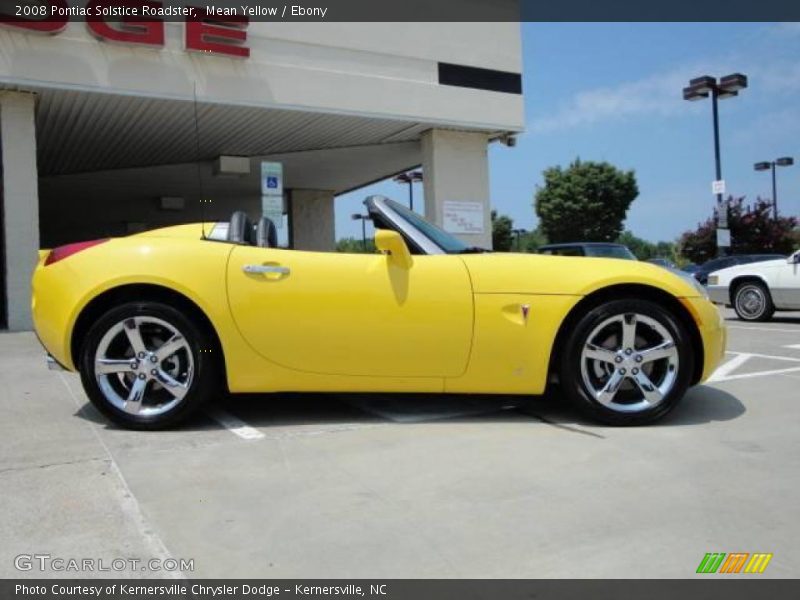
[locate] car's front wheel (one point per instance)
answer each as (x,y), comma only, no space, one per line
(627,362)
(145,365)
(752,302)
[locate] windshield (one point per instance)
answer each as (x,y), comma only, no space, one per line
(447,242)
(610,252)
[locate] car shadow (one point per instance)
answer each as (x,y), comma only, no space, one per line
(776,318)
(702,404)
(289,409)
(299,411)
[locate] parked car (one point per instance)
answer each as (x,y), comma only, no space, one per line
(723,262)
(662,262)
(160,322)
(690,268)
(596,249)
(757,290)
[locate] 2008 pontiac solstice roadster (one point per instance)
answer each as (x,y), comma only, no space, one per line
(160,322)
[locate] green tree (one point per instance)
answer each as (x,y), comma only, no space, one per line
(586,202)
(667,250)
(530,242)
(644,249)
(753,231)
(640,247)
(353,245)
(502,238)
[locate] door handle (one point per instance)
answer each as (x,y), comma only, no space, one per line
(266,269)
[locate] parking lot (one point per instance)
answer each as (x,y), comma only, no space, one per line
(365,486)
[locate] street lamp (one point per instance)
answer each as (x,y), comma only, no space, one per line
(726,87)
(784,161)
(363,219)
(410,177)
(518,233)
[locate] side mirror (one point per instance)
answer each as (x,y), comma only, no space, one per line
(794,258)
(394,246)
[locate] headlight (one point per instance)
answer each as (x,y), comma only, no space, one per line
(713,279)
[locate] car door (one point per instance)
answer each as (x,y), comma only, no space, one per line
(787,287)
(353,314)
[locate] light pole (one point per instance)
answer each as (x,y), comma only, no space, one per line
(363,219)
(409,177)
(726,87)
(518,233)
(784,161)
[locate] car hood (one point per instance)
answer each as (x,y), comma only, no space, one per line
(568,275)
(750,267)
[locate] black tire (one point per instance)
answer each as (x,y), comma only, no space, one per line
(202,375)
(753,302)
(575,368)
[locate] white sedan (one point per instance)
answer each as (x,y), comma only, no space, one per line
(757,290)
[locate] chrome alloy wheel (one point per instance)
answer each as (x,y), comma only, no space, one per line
(750,301)
(144,366)
(629,363)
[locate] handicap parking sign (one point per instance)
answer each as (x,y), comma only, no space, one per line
(271,179)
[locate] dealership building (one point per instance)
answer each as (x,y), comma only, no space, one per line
(112,128)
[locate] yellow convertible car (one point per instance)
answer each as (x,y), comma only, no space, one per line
(160,322)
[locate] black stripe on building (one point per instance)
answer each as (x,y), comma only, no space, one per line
(480,79)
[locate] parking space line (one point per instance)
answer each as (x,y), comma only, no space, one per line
(128,503)
(773,329)
(793,346)
(757,374)
(769,356)
(234,425)
(722,372)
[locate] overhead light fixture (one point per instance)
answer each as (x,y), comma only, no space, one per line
(408,177)
(727,87)
(692,94)
(733,82)
(703,84)
(723,94)
(766,165)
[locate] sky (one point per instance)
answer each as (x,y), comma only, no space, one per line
(612,92)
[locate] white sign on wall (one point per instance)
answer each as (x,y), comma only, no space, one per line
(462,217)
(272,192)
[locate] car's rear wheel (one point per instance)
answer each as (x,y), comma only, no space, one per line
(147,366)
(627,362)
(753,302)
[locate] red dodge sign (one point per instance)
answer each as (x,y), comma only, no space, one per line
(137,22)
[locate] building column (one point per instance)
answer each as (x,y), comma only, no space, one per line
(311,221)
(20,204)
(456,168)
